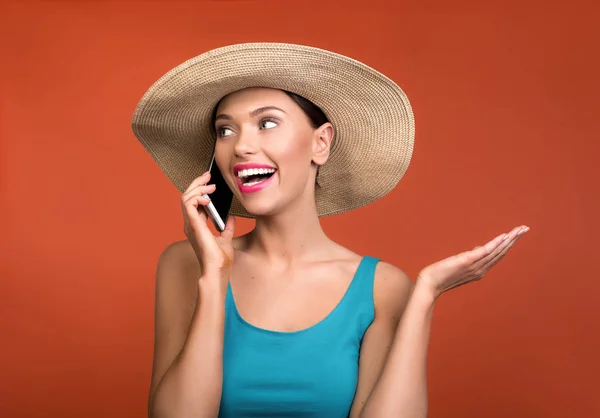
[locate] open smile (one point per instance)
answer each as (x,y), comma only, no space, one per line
(251,179)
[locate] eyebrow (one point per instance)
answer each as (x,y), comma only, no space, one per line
(252,114)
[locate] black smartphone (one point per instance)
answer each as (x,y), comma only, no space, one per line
(220,200)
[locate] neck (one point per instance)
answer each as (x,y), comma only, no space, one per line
(288,237)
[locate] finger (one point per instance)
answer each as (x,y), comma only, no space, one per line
(198,220)
(490,255)
(482,252)
(491,249)
(192,211)
(201,180)
(491,263)
(193,207)
(481,268)
(517,231)
(487,263)
(200,189)
(229,228)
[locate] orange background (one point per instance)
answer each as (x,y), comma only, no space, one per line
(506,104)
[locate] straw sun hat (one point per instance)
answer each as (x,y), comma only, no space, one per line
(372,118)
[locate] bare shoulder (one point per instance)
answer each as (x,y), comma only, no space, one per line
(391,287)
(391,290)
(179,256)
(177,275)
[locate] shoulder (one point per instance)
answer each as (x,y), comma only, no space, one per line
(179,255)
(180,250)
(391,290)
(175,296)
(177,268)
(391,285)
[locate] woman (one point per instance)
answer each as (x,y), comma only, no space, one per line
(283,321)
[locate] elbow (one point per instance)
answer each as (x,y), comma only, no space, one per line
(172,411)
(154,412)
(385,413)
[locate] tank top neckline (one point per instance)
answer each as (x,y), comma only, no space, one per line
(321,322)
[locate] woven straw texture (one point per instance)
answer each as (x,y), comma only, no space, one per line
(373,120)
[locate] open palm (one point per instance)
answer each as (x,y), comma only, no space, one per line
(469,266)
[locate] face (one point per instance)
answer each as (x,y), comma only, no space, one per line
(268,151)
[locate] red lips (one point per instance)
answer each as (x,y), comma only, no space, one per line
(245,189)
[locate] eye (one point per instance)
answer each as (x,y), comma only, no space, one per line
(223,131)
(267,123)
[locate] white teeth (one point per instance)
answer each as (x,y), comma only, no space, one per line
(254,171)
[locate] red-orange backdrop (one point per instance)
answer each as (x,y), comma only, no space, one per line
(505,99)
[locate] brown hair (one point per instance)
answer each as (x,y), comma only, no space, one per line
(315,115)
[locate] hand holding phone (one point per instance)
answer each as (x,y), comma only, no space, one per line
(220,200)
(215,253)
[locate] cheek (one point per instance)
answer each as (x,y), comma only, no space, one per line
(292,152)
(294,162)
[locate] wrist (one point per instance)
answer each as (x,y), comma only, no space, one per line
(424,292)
(212,287)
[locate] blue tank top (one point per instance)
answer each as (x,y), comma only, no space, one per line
(307,373)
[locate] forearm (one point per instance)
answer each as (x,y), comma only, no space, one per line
(192,385)
(401,390)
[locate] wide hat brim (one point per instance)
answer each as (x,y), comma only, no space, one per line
(371,115)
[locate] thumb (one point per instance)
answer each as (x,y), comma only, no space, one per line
(229,228)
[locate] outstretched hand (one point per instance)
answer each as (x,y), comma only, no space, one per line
(468,266)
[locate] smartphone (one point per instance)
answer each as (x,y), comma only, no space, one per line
(220,200)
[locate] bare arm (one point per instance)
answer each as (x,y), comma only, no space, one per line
(191,283)
(401,390)
(391,291)
(188,347)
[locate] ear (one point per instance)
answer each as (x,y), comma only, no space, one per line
(322,143)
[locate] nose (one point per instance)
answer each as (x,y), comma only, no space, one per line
(246,144)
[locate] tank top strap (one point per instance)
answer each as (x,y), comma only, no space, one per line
(358,306)
(360,292)
(229,303)
(362,284)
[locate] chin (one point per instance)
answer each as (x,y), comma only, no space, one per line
(260,208)
(270,202)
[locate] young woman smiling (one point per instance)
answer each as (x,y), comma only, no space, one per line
(283,321)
